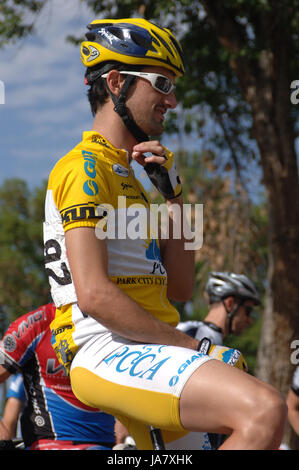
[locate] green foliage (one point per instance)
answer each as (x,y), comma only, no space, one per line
(17,18)
(23,284)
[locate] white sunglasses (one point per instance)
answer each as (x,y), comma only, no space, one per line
(159,82)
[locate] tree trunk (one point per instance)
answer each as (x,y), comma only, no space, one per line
(267,368)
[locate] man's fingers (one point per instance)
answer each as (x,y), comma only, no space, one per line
(149,152)
(139,158)
(143,159)
(152,147)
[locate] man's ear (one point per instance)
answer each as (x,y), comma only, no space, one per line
(115,81)
(229,302)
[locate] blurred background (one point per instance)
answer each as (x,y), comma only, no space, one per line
(234,133)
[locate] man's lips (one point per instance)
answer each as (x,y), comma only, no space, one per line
(161,111)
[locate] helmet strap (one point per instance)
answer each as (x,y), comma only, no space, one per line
(232,313)
(121,109)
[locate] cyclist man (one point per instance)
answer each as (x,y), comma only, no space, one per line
(232,298)
(52,417)
(114,327)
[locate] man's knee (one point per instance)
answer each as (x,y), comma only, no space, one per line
(273,404)
(268,417)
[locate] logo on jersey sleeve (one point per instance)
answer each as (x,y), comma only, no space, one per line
(9,343)
(79,212)
(90,186)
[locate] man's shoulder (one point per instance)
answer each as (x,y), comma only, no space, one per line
(32,323)
(90,153)
(190,327)
(201,329)
(184,325)
(23,336)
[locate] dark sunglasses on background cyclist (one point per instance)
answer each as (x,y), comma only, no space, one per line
(251,313)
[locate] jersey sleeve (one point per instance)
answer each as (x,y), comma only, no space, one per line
(20,340)
(200,330)
(16,388)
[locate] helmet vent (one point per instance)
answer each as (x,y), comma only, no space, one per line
(177,47)
(117,32)
(90,36)
(142,41)
(162,42)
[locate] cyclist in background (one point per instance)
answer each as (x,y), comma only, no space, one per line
(114,327)
(52,417)
(232,298)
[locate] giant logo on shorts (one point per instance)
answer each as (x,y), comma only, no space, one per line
(174,380)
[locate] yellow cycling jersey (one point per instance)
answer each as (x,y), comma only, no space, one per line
(94,186)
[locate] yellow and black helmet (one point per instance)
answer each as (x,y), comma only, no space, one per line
(131,41)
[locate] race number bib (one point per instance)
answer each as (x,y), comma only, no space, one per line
(57,265)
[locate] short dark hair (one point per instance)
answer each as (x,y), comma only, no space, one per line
(97,95)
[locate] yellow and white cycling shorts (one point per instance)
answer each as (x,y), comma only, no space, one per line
(140,384)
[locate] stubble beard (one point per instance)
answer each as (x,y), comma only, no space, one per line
(150,126)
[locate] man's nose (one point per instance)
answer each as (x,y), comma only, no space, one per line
(170,100)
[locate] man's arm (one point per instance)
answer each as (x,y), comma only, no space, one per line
(8,425)
(100,298)
(178,262)
(293,410)
(4,374)
(4,432)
